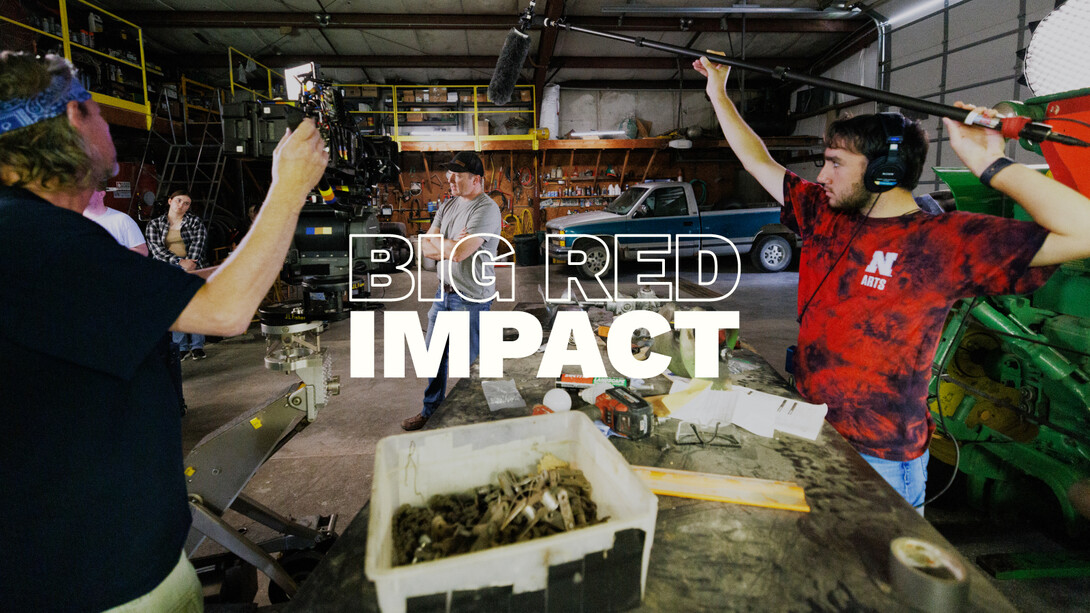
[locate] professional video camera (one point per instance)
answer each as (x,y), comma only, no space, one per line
(320,259)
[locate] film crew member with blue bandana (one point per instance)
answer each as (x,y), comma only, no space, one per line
(94,505)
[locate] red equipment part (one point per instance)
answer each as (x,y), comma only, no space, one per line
(1069,165)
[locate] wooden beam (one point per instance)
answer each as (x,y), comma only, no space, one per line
(647,168)
(663,62)
(724,488)
(610,143)
(363,61)
(208,20)
(130,119)
(217,61)
(752,83)
(467,145)
(774,143)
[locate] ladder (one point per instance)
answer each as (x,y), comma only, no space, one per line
(196,168)
(193,164)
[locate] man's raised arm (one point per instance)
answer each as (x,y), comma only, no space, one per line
(1064,212)
(225,304)
(745,143)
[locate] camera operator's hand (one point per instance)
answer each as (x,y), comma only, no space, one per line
(225,305)
(299,161)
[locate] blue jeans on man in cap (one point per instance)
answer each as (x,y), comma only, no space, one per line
(451,301)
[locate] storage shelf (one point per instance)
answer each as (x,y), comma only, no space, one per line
(120,60)
(84,47)
(32,28)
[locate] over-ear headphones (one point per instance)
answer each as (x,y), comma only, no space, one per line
(887,171)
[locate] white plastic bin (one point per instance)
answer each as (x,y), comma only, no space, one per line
(609,559)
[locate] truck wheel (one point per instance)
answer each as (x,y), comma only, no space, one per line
(772,253)
(598,261)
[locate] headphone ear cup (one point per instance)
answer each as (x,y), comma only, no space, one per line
(883,174)
(886,171)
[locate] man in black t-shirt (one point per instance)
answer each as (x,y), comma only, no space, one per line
(94,500)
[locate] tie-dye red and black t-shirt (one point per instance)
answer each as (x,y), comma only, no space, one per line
(867,339)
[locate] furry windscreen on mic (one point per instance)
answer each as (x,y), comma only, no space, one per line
(515,50)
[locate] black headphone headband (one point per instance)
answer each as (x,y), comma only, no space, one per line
(888,170)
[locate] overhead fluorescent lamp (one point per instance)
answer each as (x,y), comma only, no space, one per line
(296,77)
(598,133)
(737,9)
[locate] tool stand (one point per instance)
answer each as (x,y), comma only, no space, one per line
(221,465)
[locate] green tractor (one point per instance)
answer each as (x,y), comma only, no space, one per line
(1010,389)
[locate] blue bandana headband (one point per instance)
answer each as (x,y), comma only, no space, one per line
(20,113)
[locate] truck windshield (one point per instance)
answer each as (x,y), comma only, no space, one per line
(625,201)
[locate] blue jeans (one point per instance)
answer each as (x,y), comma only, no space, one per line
(186,341)
(437,387)
(908,478)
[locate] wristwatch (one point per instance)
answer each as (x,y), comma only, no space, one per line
(993,168)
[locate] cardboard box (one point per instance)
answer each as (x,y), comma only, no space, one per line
(411,117)
(452,97)
(466,98)
(483,127)
(526,94)
(368,92)
(350,91)
(437,94)
(610,558)
(408,95)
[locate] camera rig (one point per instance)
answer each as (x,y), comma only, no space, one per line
(320,259)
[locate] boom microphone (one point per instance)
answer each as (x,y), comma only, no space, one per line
(516,48)
(515,51)
(1011,127)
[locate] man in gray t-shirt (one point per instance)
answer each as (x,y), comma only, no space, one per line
(464,284)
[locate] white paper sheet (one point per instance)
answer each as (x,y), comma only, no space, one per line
(758,412)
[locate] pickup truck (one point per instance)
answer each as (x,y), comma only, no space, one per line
(669,208)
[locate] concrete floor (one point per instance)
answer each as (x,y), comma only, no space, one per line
(326,468)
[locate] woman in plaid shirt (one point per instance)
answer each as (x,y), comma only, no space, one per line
(178,238)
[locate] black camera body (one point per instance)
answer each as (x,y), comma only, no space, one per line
(319,258)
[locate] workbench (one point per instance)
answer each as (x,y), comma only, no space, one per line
(711,555)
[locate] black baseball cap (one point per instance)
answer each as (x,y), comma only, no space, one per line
(465,161)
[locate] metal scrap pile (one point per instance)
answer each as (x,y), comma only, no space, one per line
(555,499)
